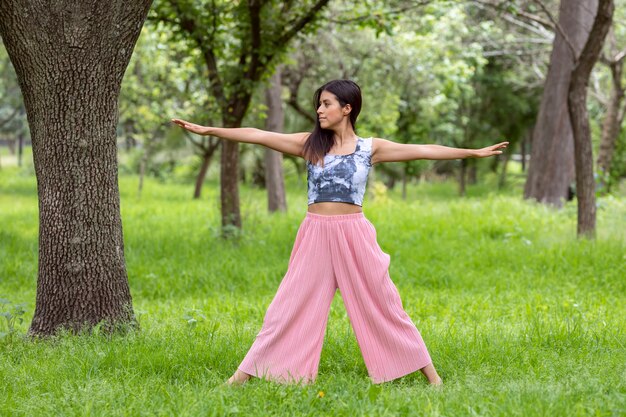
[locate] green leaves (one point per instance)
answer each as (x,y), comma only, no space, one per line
(13,315)
(193,317)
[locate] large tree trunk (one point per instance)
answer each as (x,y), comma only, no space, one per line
(70,59)
(577,100)
(274,178)
(551,169)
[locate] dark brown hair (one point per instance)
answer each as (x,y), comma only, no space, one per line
(321,140)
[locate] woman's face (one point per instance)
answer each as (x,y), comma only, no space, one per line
(329,111)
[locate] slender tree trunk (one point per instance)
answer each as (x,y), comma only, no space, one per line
(70,59)
(577,100)
(143,163)
(551,169)
(207,149)
(274,179)
(20,149)
(612,122)
(148,148)
(526,139)
(11,146)
(206,161)
(505,164)
(462,175)
(404,183)
(472,172)
(229,184)
(232,116)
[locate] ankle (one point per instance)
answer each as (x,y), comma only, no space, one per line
(238,378)
(436,381)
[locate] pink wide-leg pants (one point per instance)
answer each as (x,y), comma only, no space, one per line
(333,252)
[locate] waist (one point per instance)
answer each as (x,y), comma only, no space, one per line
(334,217)
(328,208)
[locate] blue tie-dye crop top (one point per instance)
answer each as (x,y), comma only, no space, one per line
(342,178)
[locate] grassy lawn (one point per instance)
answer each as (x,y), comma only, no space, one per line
(520,317)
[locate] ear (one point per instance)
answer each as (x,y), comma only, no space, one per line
(347,109)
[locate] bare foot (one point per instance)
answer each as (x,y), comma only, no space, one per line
(238,378)
(436,383)
(431,374)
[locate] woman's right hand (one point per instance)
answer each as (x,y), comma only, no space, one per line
(290,143)
(192,127)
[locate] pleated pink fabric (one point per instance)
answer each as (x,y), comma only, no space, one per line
(333,252)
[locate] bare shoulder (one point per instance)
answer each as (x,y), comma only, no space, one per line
(298,138)
(291,143)
(380,144)
(301,136)
(377,142)
(384,150)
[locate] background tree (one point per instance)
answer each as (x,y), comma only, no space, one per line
(70,76)
(577,106)
(163,77)
(275,182)
(13,124)
(613,120)
(552,171)
(240,43)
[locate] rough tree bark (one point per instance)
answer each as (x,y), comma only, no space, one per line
(551,170)
(70,59)
(577,104)
(274,178)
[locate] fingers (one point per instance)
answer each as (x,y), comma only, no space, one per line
(184,124)
(192,127)
(180,122)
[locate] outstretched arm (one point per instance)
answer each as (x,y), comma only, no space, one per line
(388,151)
(282,142)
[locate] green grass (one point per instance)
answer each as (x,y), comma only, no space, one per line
(520,317)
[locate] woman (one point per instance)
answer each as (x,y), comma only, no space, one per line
(336,248)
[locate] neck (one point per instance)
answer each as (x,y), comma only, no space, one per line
(345,133)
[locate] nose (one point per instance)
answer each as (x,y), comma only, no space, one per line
(319,110)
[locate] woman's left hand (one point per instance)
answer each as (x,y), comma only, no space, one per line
(490,150)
